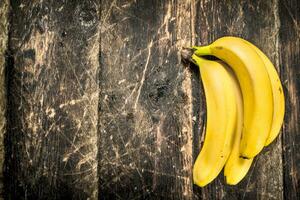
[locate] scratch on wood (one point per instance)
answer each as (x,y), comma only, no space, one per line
(293,18)
(144,75)
(4,9)
(187,131)
(276,34)
(159,136)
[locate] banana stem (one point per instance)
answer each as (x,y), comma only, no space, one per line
(198,60)
(202,51)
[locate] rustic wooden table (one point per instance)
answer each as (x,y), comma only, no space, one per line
(99,104)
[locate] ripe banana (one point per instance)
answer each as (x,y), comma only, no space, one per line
(236,167)
(278,96)
(256,89)
(221,120)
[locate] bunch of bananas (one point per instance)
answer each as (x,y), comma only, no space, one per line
(245,107)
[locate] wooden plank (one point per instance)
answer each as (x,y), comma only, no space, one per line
(258,22)
(145,102)
(53,100)
(4,9)
(289,12)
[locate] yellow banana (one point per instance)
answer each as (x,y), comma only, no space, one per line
(236,167)
(256,89)
(220,124)
(278,96)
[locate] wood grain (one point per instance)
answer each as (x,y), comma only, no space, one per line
(290,58)
(145,102)
(4,10)
(258,22)
(51,150)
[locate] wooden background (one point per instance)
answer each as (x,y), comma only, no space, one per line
(95,102)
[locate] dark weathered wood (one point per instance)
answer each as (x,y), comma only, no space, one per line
(53,100)
(289,12)
(4,9)
(258,22)
(145,102)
